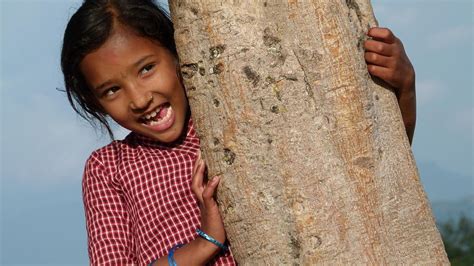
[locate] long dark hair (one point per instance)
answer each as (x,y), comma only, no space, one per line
(89,28)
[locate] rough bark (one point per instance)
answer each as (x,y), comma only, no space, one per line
(315,161)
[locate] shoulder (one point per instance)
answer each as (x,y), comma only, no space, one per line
(105,155)
(98,164)
(111,152)
(106,160)
(103,162)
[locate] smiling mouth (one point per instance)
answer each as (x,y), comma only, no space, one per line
(161,114)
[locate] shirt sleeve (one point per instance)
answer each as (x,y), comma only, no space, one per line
(109,232)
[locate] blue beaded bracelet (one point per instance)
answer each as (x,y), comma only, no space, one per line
(171,260)
(212,240)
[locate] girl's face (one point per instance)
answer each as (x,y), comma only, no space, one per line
(135,81)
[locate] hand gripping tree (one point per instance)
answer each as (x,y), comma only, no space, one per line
(315,163)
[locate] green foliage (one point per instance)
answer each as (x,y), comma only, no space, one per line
(458,238)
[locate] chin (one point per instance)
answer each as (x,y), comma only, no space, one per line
(171,135)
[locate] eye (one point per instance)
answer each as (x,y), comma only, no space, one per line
(110,92)
(146,69)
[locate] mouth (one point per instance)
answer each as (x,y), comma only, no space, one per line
(159,119)
(156,116)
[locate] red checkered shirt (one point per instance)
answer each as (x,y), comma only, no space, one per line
(138,200)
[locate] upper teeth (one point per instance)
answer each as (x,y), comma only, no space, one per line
(153,114)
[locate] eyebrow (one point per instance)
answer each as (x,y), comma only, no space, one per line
(135,65)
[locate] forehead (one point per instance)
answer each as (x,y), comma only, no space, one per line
(121,50)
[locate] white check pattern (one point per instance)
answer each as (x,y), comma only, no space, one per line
(138,200)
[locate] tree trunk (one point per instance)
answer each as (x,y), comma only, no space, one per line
(314,157)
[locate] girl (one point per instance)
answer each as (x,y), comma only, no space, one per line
(144,196)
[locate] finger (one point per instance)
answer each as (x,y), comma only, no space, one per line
(208,193)
(378,47)
(381,72)
(198,157)
(196,184)
(382,34)
(377,59)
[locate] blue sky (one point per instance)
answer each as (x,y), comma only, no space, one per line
(44,144)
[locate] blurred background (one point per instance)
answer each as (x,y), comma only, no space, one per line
(44,144)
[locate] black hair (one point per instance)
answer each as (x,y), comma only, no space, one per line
(89,28)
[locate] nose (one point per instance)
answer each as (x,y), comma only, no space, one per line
(139,100)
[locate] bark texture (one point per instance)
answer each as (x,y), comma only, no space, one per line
(314,157)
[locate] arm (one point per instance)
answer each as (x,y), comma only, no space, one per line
(110,240)
(196,252)
(386,59)
(407,103)
(200,251)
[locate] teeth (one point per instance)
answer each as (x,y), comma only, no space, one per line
(153,114)
(163,119)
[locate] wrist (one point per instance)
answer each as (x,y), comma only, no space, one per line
(206,246)
(408,87)
(196,252)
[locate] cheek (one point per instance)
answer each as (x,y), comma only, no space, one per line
(183,97)
(117,110)
(170,85)
(179,96)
